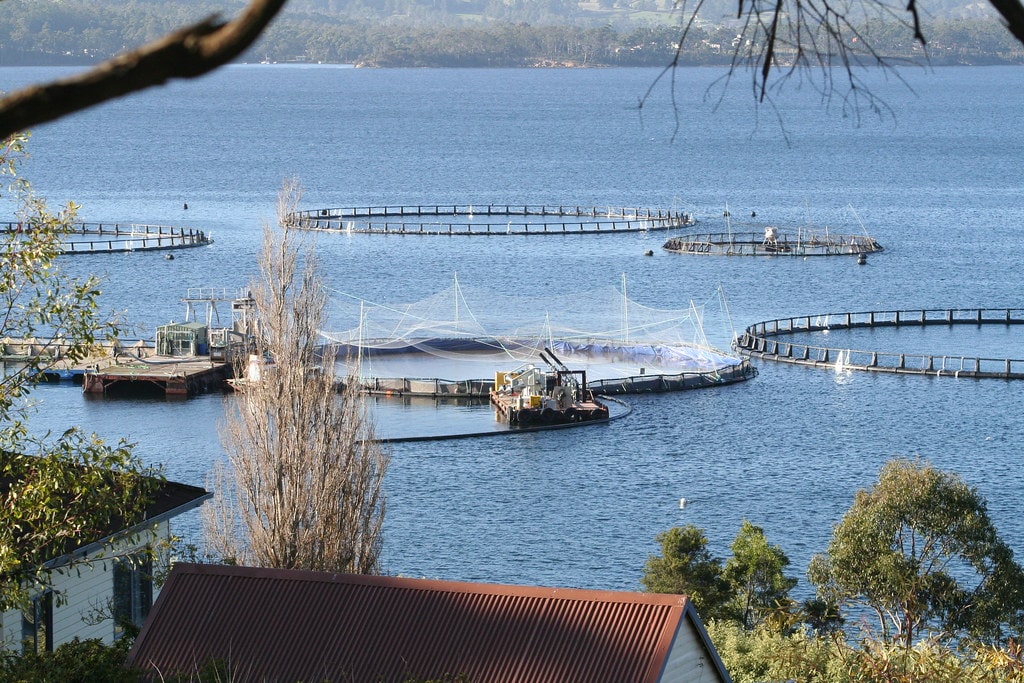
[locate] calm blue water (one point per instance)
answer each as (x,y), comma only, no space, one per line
(938,183)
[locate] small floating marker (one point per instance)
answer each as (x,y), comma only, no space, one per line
(862,259)
(186,206)
(649,252)
(682,503)
(753,214)
(169,257)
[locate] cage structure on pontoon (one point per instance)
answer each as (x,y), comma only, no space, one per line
(452,343)
(770,240)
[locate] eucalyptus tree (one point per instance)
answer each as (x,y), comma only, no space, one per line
(687,567)
(756,572)
(919,551)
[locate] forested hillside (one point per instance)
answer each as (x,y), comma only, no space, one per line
(466,33)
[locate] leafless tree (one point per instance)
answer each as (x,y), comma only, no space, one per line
(820,41)
(303,485)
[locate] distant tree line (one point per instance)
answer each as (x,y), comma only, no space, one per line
(61,33)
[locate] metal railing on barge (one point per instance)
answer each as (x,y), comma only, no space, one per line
(760,340)
(466,220)
(102,238)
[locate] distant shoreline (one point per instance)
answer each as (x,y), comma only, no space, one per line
(977,61)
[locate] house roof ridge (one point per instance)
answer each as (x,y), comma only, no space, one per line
(437,585)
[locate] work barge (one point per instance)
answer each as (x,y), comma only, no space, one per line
(530,396)
(767,340)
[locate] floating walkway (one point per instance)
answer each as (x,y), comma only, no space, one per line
(104,238)
(769,243)
(623,409)
(656,384)
(484,220)
(761,340)
(639,384)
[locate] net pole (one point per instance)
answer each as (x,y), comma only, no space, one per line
(359,348)
(455,281)
(625,311)
(728,315)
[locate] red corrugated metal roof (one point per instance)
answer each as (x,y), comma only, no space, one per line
(277,625)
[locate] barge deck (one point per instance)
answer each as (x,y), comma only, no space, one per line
(170,376)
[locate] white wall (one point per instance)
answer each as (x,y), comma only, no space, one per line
(86,588)
(688,660)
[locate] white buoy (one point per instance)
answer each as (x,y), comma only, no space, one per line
(682,503)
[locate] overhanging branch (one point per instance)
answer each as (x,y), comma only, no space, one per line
(186,53)
(1013,13)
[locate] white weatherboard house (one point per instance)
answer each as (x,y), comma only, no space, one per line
(100,586)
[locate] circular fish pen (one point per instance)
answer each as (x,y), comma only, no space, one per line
(762,340)
(455,343)
(615,368)
(490,220)
(772,242)
(104,238)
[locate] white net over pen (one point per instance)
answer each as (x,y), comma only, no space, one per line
(466,331)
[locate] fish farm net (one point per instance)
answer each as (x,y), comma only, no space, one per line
(467,333)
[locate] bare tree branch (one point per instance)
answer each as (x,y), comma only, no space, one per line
(186,53)
(812,40)
(1012,12)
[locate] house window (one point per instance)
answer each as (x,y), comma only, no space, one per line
(37,624)
(133,591)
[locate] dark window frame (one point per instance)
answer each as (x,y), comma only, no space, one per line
(132,591)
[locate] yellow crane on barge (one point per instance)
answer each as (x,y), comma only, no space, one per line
(530,396)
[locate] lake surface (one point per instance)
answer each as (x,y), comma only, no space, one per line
(938,183)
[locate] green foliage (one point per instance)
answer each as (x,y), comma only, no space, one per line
(67,493)
(36,298)
(750,588)
(919,550)
(687,567)
(767,655)
(56,494)
(79,661)
(763,654)
(755,572)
